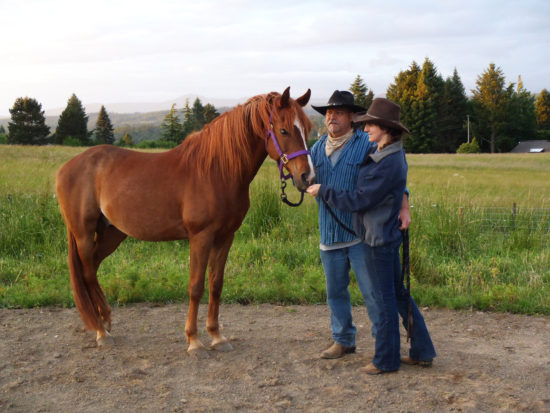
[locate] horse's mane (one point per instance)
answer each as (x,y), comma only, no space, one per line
(224,144)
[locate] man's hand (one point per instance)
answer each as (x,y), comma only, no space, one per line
(405,213)
(314,189)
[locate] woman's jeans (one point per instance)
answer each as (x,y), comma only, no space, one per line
(390,300)
(336,264)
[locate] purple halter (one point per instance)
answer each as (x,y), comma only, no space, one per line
(282,161)
(283,158)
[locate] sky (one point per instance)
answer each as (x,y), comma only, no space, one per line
(115,51)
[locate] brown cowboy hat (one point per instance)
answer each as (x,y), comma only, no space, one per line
(339,99)
(382,112)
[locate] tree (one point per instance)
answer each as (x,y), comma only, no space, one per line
(402,92)
(127,139)
(427,103)
(28,125)
(198,115)
(452,115)
(420,93)
(171,127)
(521,119)
(104,128)
(3,135)
(73,123)
(490,102)
(188,120)
(542,108)
(359,90)
(210,113)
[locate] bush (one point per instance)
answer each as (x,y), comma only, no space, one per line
(471,147)
(543,135)
(162,144)
(3,139)
(70,141)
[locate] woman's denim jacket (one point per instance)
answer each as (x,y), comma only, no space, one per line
(377,199)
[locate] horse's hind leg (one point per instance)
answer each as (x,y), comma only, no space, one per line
(217,260)
(107,239)
(94,243)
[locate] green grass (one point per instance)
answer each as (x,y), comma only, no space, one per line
(462,254)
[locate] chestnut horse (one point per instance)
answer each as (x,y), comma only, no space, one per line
(197,191)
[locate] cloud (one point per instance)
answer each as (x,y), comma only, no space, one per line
(112,51)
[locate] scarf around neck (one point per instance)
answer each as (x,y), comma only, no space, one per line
(334,144)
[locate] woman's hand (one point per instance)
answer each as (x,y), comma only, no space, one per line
(313,189)
(405,214)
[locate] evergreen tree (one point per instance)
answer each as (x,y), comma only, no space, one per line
(521,119)
(28,125)
(542,107)
(3,135)
(420,93)
(73,123)
(210,113)
(453,115)
(104,128)
(188,120)
(171,127)
(359,90)
(427,103)
(198,115)
(491,101)
(402,92)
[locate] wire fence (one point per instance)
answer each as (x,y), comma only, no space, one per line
(525,226)
(514,218)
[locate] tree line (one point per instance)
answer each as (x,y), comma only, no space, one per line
(442,119)
(437,111)
(28,125)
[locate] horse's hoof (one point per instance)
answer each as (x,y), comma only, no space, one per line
(106,341)
(198,353)
(222,346)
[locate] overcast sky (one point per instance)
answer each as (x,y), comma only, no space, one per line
(113,51)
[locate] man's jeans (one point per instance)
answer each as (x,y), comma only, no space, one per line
(389,301)
(336,264)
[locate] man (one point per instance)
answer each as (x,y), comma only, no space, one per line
(336,157)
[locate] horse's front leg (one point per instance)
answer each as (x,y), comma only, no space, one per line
(217,260)
(200,246)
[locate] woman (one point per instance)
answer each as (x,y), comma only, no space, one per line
(376,202)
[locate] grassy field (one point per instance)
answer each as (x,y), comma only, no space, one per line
(470,248)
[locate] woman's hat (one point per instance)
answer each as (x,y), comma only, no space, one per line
(340,99)
(382,112)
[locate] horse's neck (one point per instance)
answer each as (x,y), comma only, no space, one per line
(258,155)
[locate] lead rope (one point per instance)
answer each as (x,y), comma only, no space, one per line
(406,272)
(331,212)
(284,197)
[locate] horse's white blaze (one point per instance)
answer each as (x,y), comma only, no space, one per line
(301,129)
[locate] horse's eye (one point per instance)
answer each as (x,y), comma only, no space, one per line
(284,132)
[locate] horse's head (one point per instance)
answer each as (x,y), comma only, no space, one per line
(286,140)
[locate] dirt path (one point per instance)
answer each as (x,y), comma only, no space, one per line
(48,363)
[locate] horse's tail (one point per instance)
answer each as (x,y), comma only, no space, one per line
(88,297)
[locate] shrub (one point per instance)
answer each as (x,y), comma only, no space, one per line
(70,141)
(472,147)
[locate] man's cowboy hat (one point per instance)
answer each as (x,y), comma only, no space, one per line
(340,99)
(382,112)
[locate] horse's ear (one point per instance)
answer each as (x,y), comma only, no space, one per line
(302,100)
(285,98)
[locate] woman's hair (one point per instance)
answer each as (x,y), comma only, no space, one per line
(395,134)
